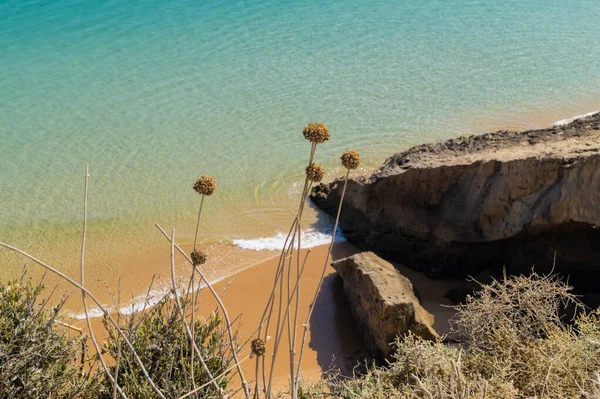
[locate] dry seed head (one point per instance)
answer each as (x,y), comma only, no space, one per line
(315,172)
(350,159)
(316,133)
(205,185)
(258,347)
(198,258)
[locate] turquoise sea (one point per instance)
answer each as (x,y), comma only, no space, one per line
(151,94)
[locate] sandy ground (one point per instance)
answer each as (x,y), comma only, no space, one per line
(333,339)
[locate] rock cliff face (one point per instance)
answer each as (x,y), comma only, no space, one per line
(383,302)
(479,202)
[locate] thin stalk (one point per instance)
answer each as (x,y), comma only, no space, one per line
(268,310)
(223,374)
(277,335)
(198,222)
(312,305)
(193,299)
(288,249)
(114,395)
(182,313)
(293,339)
(83,342)
(286,314)
(223,309)
(193,326)
(99,304)
(81,279)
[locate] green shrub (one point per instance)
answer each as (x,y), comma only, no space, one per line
(160,340)
(37,358)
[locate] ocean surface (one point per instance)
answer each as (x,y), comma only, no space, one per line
(151,94)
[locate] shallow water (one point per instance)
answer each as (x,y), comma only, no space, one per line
(153,93)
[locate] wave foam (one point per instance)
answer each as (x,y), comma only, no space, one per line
(92,312)
(310,238)
(563,122)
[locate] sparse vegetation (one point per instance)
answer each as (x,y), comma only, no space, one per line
(514,343)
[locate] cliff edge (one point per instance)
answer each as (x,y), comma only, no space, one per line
(514,199)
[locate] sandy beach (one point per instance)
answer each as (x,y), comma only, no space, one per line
(333,339)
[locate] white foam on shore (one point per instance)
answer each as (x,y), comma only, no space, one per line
(145,301)
(310,238)
(563,122)
(137,304)
(92,312)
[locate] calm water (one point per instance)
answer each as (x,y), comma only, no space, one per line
(153,93)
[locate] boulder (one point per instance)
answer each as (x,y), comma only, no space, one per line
(383,302)
(514,199)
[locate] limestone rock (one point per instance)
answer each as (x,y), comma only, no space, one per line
(481,202)
(383,302)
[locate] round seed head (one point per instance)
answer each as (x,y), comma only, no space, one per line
(258,347)
(350,159)
(316,133)
(315,172)
(198,258)
(205,185)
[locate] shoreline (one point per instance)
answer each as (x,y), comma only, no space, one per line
(333,339)
(114,259)
(332,335)
(131,269)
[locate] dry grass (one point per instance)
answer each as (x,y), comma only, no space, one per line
(514,344)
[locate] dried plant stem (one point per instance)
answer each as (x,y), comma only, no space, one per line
(221,306)
(192,315)
(83,341)
(312,305)
(279,333)
(277,336)
(182,313)
(198,222)
(295,324)
(192,281)
(287,251)
(114,395)
(223,374)
(266,316)
(82,281)
(99,304)
(71,327)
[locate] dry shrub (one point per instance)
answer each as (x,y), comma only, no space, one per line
(515,343)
